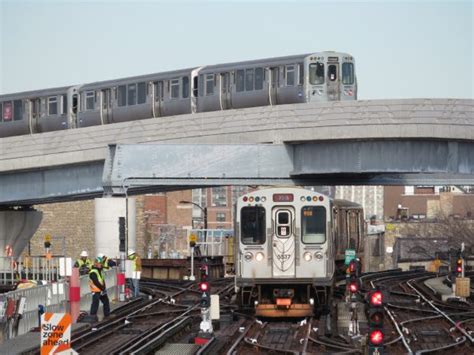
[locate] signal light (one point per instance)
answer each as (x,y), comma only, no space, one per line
(205,300)
(376,337)
(459,267)
(204,286)
(376,298)
(204,272)
(353,286)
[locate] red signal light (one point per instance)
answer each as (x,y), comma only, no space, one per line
(376,337)
(204,286)
(353,287)
(459,269)
(376,298)
(352,267)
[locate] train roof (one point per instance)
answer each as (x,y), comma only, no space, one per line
(35,93)
(346,204)
(267,61)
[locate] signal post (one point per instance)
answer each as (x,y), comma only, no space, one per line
(205,327)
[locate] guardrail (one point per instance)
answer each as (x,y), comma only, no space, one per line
(54,296)
(29,267)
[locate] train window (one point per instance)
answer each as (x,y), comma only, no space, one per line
(141,98)
(332,72)
(252,225)
(313,224)
(1,112)
(131,94)
(64,104)
(347,73)
(90,100)
(185,87)
(290,75)
(122,96)
(17,110)
(316,73)
(248,79)
(209,84)
(7,111)
(52,105)
(201,85)
(195,86)
(174,88)
(258,78)
(240,81)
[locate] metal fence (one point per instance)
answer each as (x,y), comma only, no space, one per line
(54,297)
(29,267)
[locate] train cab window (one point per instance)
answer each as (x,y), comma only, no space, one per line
(249,79)
(283,227)
(17,110)
(174,89)
(64,105)
(258,78)
(131,94)
(185,87)
(332,72)
(240,81)
(209,84)
(290,75)
(252,225)
(316,73)
(300,74)
(52,105)
(347,73)
(90,100)
(141,98)
(313,224)
(122,96)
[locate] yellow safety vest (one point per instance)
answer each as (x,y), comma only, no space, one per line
(92,286)
(134,259)
(81,263)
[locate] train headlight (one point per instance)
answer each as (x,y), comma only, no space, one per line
(318,255)
(260,256)
(248,256)
(264,198)
(307,256)
(302,198)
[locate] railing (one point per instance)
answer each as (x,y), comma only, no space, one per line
(215,242)
(54,297)
(29,267)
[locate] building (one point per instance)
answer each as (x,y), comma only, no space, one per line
(370,197)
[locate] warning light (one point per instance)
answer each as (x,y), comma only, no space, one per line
(376,298)
(204,286)
(459,267)
(376,337)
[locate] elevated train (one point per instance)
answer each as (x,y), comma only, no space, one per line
(315,77)
(289,242)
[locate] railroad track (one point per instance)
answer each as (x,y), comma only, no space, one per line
(419,321)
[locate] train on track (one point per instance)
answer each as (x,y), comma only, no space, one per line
(289,243)
(316,77)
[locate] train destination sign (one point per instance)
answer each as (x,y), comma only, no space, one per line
(282,197)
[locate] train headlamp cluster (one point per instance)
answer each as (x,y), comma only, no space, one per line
(318,255)
(252,199)
(311,198)
(258,257)
(307,256)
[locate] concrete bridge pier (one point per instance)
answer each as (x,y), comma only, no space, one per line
(16,229)
(107,213)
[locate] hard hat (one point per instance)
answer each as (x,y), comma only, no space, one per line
(98,260)
(84,253)
(101,255)
(131,251)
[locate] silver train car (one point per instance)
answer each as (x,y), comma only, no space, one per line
(315,77)
(287,242)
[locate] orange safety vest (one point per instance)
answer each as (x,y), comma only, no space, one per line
(92,286)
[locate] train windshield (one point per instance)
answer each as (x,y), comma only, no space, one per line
(316,73)
(347,73)
(252,225)
(313,224)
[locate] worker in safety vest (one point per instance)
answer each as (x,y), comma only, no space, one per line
(98,289)
(84,263)
(136,271)
(106,262)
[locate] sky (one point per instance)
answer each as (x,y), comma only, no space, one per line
(403,49)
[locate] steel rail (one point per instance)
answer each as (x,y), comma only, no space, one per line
(456,325)
(240,338)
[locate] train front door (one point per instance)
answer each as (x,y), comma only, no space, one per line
(225,91)
(273,77)
(283,242)
(106,106)
(333,82)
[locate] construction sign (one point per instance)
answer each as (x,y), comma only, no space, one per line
(55,333)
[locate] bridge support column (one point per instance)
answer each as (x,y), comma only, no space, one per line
(16,229)
(107,213)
